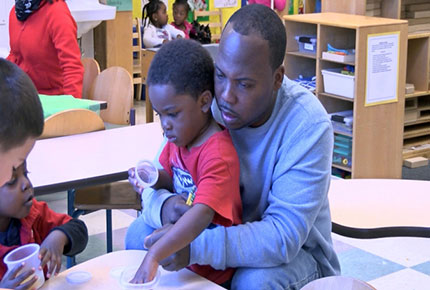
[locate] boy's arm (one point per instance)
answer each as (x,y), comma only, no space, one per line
(77,235)
(164,181)
(183,232)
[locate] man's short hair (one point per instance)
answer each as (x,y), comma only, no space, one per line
(185,65)
(21,114)
(264,21)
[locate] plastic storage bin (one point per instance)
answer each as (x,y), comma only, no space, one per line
(337,83)
(307,43)
(342,152)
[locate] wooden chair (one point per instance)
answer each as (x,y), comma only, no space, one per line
(137,58)
(215,37)
(91,71)
(70,122)
(115,86)
(147,56)
(338,283)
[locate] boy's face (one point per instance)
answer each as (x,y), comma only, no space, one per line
(244,80)
(161,15)
(182,117)
(13,158)
(16,195)
(179,14)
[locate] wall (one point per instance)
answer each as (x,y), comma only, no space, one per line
(5,6)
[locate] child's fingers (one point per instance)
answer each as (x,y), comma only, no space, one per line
(44,259)
(12,274)
(28,284)
(131,172)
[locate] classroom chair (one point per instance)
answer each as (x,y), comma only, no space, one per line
(137,58)
(91,71)
(70,122)
(338,283)
(215,26)
(115,86)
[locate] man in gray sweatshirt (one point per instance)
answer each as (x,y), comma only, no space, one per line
(284,140)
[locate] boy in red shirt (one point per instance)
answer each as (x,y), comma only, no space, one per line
(199,161)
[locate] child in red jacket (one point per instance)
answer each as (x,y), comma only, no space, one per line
(25,220)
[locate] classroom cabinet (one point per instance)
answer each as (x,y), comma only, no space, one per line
(376,137)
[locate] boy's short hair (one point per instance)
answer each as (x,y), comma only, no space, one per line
(21,114)
(256,18)
(185,65)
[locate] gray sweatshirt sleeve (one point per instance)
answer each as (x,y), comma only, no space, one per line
(296,199)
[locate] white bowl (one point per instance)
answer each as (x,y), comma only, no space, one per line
(128,274)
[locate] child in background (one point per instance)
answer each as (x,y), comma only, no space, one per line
(156,31)
(24,220)
(199,159)
(180,14)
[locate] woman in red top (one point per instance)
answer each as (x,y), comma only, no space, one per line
(43,42)
(180,14)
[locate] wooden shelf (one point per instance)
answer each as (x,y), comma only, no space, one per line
(342,167)
(417,94)
(302,54)
(419,121)
(342,133)
(377,137)
(336,97)
(341,62)
(416,131)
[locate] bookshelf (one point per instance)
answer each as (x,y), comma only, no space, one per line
(377,133)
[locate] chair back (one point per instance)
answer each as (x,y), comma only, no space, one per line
(338,283)
(91,70)
(115,86)
(70,122)
(215,22)
(137,57)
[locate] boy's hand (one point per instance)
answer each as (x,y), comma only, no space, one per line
(147,270)
(133,181)
(13,281)
(175,262)
(51,250)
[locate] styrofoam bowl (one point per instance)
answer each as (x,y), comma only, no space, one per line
(128,274)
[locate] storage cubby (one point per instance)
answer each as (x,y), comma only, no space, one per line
(376,137)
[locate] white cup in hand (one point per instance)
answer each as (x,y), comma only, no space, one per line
(146,173)
(29,255)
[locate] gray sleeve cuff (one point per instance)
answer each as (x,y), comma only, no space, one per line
(152,203)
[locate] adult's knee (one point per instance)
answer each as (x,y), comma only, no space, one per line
(136,234)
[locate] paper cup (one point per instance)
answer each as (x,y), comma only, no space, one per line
(146,173)
(28,254)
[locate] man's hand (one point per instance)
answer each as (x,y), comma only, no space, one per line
(51,250)
(175,262)
(173,209)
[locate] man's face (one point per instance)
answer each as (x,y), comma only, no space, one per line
(244,80)
(13,158)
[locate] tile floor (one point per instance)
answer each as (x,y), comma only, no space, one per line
(387,264)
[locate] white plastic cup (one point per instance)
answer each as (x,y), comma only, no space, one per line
(146,173)
(28,254)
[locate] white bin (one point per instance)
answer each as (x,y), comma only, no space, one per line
(337,83)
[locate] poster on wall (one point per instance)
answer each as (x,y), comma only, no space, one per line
(225,3)
(121,5)
(382,71)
